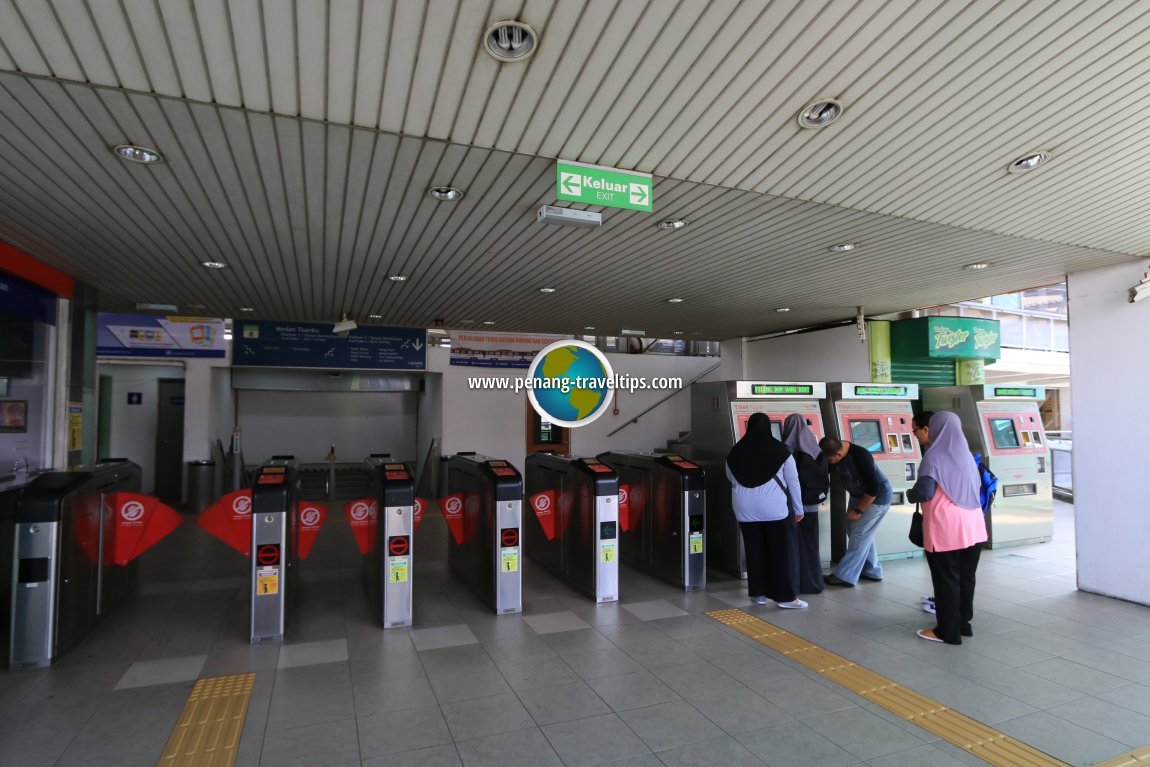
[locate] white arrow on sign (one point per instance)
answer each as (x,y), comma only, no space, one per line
(639,194)
(418,345)
(571,183)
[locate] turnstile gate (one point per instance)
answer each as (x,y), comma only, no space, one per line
(389,514)
(662,516)
(484,511)
(576,530)
(275,522)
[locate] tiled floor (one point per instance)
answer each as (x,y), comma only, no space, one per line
(648,681)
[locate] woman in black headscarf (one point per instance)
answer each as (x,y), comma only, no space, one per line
(815,482)
(767,500)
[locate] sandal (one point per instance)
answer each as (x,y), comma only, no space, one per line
(928,637)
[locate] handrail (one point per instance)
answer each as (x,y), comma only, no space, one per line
(660,402)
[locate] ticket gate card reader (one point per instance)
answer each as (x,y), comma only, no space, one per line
(274,520)
(662,516)
(484,512)
(876,416)
(388,565)
(575,534)
(1004,425)
(719,414)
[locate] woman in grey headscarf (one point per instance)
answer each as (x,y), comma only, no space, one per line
(953,528)
(814,479)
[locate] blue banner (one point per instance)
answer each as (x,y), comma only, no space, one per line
(267,343)
(22,299)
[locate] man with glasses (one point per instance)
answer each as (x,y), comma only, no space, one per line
(869,496)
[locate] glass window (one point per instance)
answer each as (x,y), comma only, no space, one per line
(1061,335)
(1008,301)
(1003,433)
(1010,326)
(867,434)
(1038,333)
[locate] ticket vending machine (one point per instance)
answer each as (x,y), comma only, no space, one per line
(719,414)
(484,513)
(1004,425)
(878,418)
(575,535)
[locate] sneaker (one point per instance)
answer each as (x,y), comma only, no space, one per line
(798,604)
(834,580)
(928,606)
(759,600)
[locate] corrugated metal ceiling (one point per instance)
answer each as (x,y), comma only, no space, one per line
(301,137)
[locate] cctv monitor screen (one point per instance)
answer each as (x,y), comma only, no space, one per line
(867,434)
(1003,433)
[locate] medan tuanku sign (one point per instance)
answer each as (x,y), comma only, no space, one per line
(609,187)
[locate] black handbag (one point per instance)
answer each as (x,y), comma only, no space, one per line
(916,528)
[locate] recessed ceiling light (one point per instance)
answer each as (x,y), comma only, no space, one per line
(546,290)
(398,278)
(375,316)
(437,331)
(1028,162)
(674,223)
(214,265)
(445,193)
(676,300)
(489,322)
(977,267)
(842,247)
(783,309)
(676,332)
(247,309)
(510,41)
(588,327)
(821,113)
(227,335)
(140,154)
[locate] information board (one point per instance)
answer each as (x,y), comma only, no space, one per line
(267,343)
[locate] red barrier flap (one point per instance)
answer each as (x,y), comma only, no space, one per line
(544,506)
(139,522)
(309,516)
(87,528)
(624,507)
(636,500)
(452,507)
(363,516)
(230,520)
(417,512)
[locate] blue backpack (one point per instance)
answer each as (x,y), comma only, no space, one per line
(988,483)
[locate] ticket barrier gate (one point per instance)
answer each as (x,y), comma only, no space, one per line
(77,538)
(484,511)
(719,414)
(876,416)
(388,548)
(1003,424)
(662,516)
(576,532)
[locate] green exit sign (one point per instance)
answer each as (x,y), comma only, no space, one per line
(609,187)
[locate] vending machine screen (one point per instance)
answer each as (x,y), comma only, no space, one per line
(1003,432)
(867,434)
(776,430)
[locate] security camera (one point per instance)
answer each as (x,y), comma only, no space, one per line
(1141,290)
(343,327)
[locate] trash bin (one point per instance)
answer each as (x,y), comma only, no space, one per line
(201,485)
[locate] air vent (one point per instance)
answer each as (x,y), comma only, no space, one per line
(510,40)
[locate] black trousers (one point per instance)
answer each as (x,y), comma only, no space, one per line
(807,568)
(952,573)
(768,547)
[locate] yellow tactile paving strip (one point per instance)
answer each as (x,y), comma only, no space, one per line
(986,743)
(208,731)
(1139,758)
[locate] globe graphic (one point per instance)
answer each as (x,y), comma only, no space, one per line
(570,362)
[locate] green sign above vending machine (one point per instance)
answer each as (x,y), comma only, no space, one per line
(946,337)
(609,187)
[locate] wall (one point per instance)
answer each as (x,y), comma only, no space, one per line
(306,423)
(221,408)
(133,427)
(481,420)
(208,412)
(429,420)
(1109,368)
(824,355)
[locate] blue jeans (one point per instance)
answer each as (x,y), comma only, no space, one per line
(861,557)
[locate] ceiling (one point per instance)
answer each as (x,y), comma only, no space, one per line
(300,139)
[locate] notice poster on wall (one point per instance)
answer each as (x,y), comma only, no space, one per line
(498,350)
(137,335)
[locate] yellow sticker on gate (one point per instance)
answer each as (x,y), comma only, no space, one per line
(607,552)
(267,581)
(398,570)
(510,560)
(696,543)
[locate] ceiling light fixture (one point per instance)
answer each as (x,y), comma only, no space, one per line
(510,41)
(674,223)
(1028,162)
(783,309)
(676,300)
(398,278)
(546,290)
(977,267)
(446,193)
(489,322)
(375,316)
(676,332)
(228,335)
(214,265)
(140,154)
(588,327)
(843,247)
(821,113)
(247,309)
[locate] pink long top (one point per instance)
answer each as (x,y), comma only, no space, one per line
(949,527)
